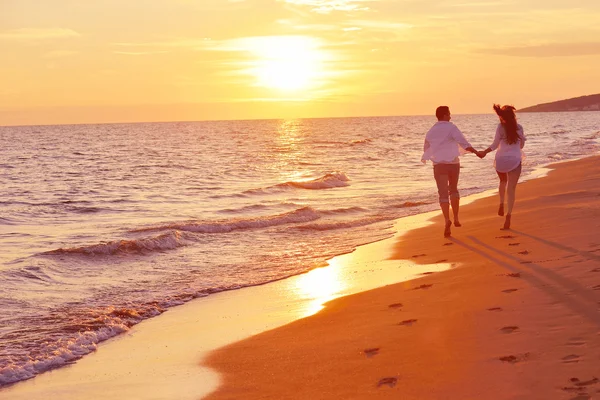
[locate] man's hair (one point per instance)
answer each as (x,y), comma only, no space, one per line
(441,111)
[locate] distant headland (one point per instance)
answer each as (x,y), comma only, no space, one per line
(583,103)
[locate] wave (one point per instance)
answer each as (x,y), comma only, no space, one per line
(327,181)
(62,355)
(252,207)
(166,241)
(305,214)
(35,273)
(349,210)
(408,204)
(7,221)
(339,142)
(79,337)
(361,141)
(327,226)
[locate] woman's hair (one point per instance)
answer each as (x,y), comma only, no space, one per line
(508,119)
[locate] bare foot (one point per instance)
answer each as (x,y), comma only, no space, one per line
(507,222)
(447,232)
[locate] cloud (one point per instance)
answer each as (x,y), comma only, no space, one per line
(59,53)
(381,25)
(481,4)
(547,50)
(182,43)
(328,6)
(38,34)
(139,53)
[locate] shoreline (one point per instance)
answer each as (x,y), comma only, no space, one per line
(83,380)
(518,319)
(159,357)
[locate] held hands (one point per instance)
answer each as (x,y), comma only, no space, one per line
(480,154)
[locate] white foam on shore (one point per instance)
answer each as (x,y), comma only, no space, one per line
(160,358)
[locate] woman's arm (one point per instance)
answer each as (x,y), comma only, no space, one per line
(495,143)
(497,139)
(521,136)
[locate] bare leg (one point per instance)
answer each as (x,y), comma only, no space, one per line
(501,193)
(446,211)
(455,201)
(453,191)
(440,173)
(511,192)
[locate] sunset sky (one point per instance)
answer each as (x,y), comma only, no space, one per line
(73,61)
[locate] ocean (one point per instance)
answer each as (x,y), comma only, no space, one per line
(103,226)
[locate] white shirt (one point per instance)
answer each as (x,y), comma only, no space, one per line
(442,143)
(508,156)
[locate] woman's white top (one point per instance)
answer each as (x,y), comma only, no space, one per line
(508,156)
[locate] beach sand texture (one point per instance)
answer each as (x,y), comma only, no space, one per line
(518,318)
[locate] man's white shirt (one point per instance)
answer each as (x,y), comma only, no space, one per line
(443,142)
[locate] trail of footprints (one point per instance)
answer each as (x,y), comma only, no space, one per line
(576,385)
(512,358)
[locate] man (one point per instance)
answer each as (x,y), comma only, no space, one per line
(442,148)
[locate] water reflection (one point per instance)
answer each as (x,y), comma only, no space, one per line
(319,286)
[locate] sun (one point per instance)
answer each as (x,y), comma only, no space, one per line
(287,63)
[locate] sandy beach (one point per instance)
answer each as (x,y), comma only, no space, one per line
(517,318)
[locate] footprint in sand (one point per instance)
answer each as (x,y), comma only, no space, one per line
(524,252)
(513,359)
(419,255)
(408,322)
(509,329)
(371,352)
(597,287)
(595,270)
(427,273)
(423,287)
(505,237)
(390,381)
(526,262)
(495,309)
(580,386)
(576,341)
(441,261)
(571,358)
(580,383)
(447,244)
(514,244)
(509,290)
(396,305)
(514,275)
(582,396)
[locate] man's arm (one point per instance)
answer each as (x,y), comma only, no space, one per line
(458,136)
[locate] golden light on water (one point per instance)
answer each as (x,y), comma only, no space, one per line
(321,285)
(287,63)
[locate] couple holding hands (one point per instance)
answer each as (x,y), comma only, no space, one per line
(442,144)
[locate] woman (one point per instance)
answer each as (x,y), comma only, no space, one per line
(509,142)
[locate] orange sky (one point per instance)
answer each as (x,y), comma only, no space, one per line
(72,61)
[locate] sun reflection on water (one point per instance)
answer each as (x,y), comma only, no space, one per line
(319,286)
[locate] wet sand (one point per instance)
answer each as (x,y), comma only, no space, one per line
(518,318)
(159,358)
